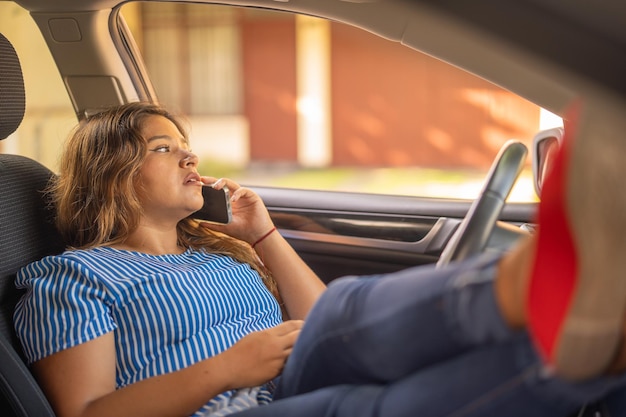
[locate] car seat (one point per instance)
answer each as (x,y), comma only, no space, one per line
(26,234)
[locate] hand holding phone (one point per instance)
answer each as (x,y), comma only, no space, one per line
(216,206)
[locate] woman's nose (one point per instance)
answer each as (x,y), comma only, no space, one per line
(189,159)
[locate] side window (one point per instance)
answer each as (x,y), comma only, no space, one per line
(286,100)
(49,114)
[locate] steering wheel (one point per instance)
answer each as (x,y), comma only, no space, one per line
(473,233)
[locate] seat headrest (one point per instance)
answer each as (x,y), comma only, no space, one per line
(12,97)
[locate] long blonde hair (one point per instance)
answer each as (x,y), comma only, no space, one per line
(95,196)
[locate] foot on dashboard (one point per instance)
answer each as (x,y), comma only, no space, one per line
(577,293)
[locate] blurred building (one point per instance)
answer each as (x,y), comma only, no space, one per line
(304,91)
(264,88)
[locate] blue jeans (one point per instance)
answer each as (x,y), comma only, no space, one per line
(423,342)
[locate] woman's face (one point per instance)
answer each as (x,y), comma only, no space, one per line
(169,185)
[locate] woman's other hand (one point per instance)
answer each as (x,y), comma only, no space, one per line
(259,356)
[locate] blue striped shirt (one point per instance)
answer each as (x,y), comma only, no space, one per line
(168,312)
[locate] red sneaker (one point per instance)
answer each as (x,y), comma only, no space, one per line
(577,294)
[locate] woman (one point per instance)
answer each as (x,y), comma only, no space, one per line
(154,314)
(127,185)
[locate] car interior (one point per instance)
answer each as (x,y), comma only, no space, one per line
(336,233)
(28,233)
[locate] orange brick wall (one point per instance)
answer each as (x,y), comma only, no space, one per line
(391,106)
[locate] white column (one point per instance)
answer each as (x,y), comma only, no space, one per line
(313,90)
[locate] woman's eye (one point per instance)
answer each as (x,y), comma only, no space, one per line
(161,148)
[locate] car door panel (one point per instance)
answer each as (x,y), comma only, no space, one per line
(341,234)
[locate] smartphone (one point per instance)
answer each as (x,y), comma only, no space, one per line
(216,206)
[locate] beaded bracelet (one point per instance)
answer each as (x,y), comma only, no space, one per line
(272,230)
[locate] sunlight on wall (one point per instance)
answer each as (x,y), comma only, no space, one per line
(498,104)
